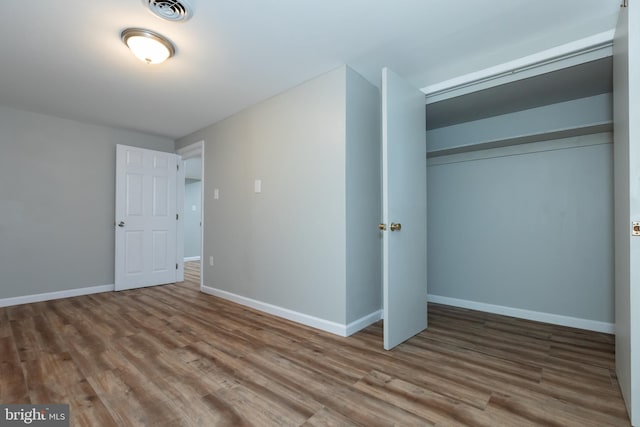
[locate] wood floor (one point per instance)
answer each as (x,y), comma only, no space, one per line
(191,275)
(171,356)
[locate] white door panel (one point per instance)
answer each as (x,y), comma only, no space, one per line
(404,199)
(146,235)
(626,147)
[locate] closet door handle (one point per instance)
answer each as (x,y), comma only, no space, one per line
(395,227)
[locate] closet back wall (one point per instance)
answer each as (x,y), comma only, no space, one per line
(526,227)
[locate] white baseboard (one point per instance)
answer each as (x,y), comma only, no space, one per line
(314,322)
(556,319)
(6,302)
(191,258)
(363,322)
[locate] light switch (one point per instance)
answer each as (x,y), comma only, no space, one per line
(194,208)
(257,186)
(216,194)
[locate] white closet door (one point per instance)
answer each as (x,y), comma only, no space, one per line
(404,210)
(626,147)
(146,217)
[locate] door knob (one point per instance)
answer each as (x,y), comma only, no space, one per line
(395,227)
(382,227)
(121,224)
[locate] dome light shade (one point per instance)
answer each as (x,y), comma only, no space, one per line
(148,46)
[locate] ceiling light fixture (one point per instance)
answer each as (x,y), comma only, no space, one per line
(147,45)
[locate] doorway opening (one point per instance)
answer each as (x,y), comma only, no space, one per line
(192,156)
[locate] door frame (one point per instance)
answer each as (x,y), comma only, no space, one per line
(192,151)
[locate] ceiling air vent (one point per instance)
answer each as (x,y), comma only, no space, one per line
(171,10)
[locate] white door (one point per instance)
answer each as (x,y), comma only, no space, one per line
(626,147)
(146,217)
(404,210)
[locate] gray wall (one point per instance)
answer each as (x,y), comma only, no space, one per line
(286,245)
(57,200)
(529,227)
(192,196)
(364,257)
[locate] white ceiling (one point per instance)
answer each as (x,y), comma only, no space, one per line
(65,58)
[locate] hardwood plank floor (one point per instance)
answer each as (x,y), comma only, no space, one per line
(172,356)
(192,275)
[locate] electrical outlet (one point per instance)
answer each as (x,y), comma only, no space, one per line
(635,228)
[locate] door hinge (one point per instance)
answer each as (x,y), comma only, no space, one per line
(177,166)
(176,265)
(176,217)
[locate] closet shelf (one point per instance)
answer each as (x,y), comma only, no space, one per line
(605,126)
